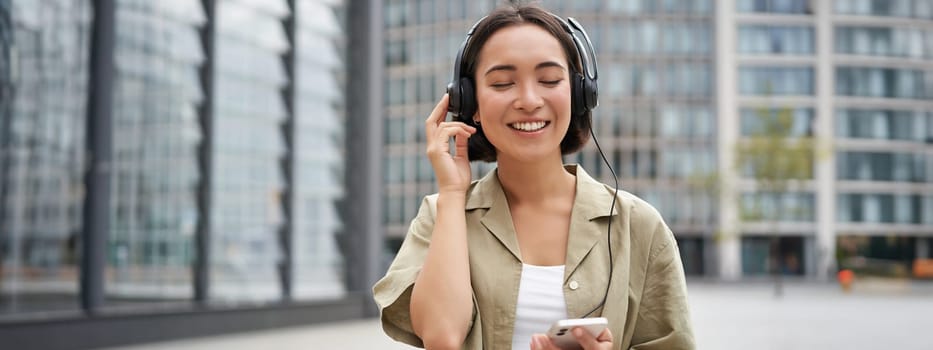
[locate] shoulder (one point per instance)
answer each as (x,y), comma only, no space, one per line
(639,211)
(644,223)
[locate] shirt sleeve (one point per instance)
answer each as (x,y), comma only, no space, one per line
(663,318)
(393,292)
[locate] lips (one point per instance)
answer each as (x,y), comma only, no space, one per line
(529,126)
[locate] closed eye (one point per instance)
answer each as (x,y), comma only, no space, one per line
(551,82)
(501,85)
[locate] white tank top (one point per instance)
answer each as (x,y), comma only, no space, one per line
(540,302)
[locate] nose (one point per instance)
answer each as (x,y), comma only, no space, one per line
(528,99)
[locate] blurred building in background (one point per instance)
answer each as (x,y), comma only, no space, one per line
(231,165)
(223,166)
(857,77)
(682,84)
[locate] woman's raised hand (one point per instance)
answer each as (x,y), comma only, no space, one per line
(452,170)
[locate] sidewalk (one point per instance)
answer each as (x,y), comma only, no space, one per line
(727,315)
(351,335)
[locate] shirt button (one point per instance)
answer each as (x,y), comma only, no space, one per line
(574,285)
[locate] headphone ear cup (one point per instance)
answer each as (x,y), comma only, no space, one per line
(591,93)
(453,98)
(577,90)
(467,100)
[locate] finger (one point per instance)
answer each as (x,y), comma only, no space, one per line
(605,336)
(444,134)
(586,340)
(448,130)
(437,115)
(460,146)
(542,342)
(462,125)
(441,141)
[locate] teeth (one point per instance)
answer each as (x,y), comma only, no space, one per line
(529,126)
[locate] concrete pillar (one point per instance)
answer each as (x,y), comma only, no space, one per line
(727,237)
(825,167)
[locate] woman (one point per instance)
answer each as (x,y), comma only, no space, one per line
(493,263)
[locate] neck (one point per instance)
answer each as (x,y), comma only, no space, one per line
(525,182)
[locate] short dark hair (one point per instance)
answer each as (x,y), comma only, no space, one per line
(578,133)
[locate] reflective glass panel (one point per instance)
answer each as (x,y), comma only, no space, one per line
(764,39)
(883,82)
(775,6)
(248,148)
(776,81)
(318,264)
(156,135)
(43,96)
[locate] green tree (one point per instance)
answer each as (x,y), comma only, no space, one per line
(777,160)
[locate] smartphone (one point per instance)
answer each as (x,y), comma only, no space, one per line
(560,331)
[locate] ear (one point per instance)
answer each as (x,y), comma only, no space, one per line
(476,118)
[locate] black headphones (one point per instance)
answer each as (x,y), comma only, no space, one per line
(584,89)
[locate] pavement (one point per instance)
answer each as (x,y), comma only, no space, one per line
(876,314)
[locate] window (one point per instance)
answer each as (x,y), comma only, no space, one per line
(801,121)
(884,41)
(770,206)
(882,166)
(766,81)
(891,8)
(883,82)
(775,6)
(43,145)
(762,39)
(884,208)
(884,124)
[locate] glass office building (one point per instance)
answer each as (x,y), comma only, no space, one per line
(682,83)
(224,162)
(46,51)
(855,76)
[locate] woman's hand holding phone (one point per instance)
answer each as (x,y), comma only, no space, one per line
(572,334)
(452,170)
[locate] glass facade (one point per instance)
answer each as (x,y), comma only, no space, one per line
(277,99)
(909,42)
(763,256)
(647,6)
(884,166)
(754,121)
(885,208)
(786,206)
(156,95)
(884,82)
(885,124)
(884,158)
(42,150)
(890,8)
(798,7)
(768,81)
(319,122)
(776,40)
(249,183)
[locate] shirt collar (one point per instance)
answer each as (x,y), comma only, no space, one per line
(592,197)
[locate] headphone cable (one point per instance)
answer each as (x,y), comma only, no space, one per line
(609,226)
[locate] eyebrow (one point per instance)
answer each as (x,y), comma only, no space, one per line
(509,67)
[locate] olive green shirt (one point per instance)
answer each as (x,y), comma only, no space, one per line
(647,301)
